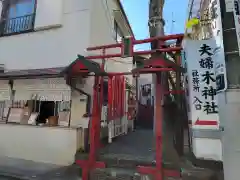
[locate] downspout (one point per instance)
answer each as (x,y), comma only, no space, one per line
(86,139)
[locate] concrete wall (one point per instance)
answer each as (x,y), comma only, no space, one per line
(40,144)
(62,31)
(64,28)
(78,109)
(229,109)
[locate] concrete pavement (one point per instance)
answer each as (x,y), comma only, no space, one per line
(15,169)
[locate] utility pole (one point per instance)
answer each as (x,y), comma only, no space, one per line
(156,28)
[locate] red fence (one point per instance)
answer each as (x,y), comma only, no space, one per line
(118,123)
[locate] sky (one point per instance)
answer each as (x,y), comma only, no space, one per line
(175,12)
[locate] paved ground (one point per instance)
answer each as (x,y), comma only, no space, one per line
(139,145)
(21,169)
(6,178)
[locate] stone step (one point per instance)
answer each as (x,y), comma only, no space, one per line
(121,174)
(129,161)
(124,166)
(131,174)
(195,173)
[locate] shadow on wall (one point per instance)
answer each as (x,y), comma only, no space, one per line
(145,116)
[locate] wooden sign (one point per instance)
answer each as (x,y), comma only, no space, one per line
(63,119)
(15,115)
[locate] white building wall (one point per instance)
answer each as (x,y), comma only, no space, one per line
(62,31)
(102,32)
(64,28)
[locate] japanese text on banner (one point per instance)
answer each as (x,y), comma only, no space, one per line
(202,82)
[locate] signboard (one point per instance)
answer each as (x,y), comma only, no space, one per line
(202,83)
(218,52)
(5,90)
(47,89)
(236,13)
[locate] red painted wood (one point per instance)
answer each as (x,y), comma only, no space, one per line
(91,163)
(114,97)
(110,100)
(117,96)
(120,97)
(158,123)
(124,96)
(134,53)
(163,38)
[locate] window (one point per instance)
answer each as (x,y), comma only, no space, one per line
(118,32)
(17,16)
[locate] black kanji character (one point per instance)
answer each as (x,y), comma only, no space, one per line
(198,107)
(210,108)
(197,100)
(198,103)
(195,73)
(205,49)
(207,77)
(206,63)
(209,92)
(195,81)
(196,88)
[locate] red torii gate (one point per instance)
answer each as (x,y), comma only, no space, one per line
(155,65)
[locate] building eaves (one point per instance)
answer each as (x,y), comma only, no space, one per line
(125,16)
(32,73)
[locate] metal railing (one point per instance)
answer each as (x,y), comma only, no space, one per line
(17,25)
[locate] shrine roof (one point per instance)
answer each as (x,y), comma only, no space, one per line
(158,62)
(83,65)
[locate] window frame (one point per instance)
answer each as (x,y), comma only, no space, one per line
(4,19)
(117,31)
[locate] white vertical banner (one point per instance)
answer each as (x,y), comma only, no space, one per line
(202,83)
(217,32)
(236,13)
